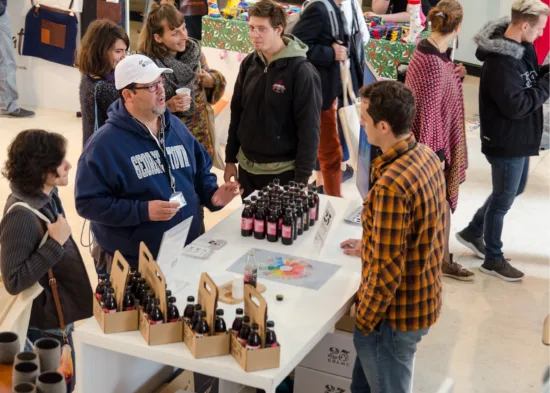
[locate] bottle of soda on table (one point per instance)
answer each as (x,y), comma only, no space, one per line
(299,217)
(202,329)
(272,225)
(108,288)
(145,292)
(189,310)
(294,220)
(245,330)
(196,316)
(312,209)
(139,288)
(287,232)
(149,303)
(253,205)
(254,342)
(259,222)
(156,317)
(317,202)
(305,207)
(109,306)
(247,221)
(251,269)
(238,322)
(128,303)
(270,336)
(100,288)
(219,325)
(172,312)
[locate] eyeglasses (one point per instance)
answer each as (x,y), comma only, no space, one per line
(151,88)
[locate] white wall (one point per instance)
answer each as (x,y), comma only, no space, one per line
(41,83)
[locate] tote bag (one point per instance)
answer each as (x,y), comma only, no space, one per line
(350,115)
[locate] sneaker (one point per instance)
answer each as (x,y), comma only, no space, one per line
(476,244)
(347,174)
(20,113)
(455,270)
(501,269)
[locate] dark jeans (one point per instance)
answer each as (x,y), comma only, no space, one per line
(250,183)
(385,360)
(509,175)
(34,335)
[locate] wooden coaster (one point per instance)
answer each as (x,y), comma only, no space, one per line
(226,293)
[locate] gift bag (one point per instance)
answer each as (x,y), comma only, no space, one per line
(50,34)
(350,115)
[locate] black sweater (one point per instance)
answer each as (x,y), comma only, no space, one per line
(512,92)
(23,263)
(3,6)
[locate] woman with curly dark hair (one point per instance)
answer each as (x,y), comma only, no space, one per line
(36,167)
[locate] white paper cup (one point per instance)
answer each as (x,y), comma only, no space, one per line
(238,288)
(183,91)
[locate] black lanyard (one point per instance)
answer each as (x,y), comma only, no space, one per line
(162,142)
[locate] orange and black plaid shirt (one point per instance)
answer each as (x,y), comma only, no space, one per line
(403,236)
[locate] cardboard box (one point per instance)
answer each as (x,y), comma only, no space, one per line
(183,382)
(164,333)
(347,322)
(312,381)
(121,321)
(213,345)
(335,354)
(255,307)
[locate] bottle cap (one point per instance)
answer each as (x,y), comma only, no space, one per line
(133,270)
(168,293)
(191,298)
(280,298)
(247,202)
(255,326)
(310,193)
(219,311)
(253,198)
(314,188)
(240,311)
(172,299)
(246,319)
(137,274)
(270,324)
(198,307)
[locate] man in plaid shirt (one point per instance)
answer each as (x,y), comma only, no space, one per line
(402,245)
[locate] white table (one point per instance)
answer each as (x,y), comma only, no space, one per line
(123,362)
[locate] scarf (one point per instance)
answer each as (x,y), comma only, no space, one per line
(186,65)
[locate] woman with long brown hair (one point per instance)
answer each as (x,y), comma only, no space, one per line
(165,40)
(104,45)
(439,122)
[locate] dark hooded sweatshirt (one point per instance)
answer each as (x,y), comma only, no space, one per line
(23,263)
(511,94)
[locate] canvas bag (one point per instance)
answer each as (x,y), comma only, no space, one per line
(350,115)
(295,18)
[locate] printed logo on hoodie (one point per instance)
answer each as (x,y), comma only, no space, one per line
(278,87)
(530,78)
(150,164)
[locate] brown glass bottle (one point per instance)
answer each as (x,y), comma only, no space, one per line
(202,330)
(270,336)
(196,316)
(312,209)
(189,310)
(245,330)
(100,286)
(109,306)
(247,220)
(287,231)
(219,325)
(260,222)
(238,322)
(272,225)
(128,303)
(156,317)
(172,312)
(254,342)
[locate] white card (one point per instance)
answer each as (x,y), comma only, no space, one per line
(197,251)
(326,221)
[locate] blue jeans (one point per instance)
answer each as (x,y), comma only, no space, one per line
(384,362)
(8,88)
(509,175)
(34,335)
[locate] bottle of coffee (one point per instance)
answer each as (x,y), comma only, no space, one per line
(305,206)
(109,306)
(299,217)
(219,326)
(251,269)
(272,224)
(247,221)
(317,202)
(202,329)
(100,286)
(238,322)
(259,222)
(254,342)
(156,317)
(189,309)
(128,303)
(270,336)
(312,209)
(196,316)
(294,220)
(172,312)
(245,330)
(287,232)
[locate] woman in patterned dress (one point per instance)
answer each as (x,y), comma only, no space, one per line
(165,40)
(439,122)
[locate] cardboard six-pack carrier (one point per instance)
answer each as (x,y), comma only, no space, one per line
(255,307)
(120,321)
(213,345)
(164,333)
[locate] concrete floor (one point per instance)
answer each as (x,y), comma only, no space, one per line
(489,335)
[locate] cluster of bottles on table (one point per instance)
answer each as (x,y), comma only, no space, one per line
(280,212)
(138,295)
(248,334)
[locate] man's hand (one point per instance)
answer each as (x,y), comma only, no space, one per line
(207,80)
(162,210)
(179,103)
(461,70)
(60,231)
(226,193)
(230,172)
(352,247)
(340,51)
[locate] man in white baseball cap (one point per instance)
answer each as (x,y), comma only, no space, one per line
(143,172)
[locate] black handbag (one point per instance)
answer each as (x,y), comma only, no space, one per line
(50,34)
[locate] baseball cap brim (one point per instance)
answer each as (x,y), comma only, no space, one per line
(152,75)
